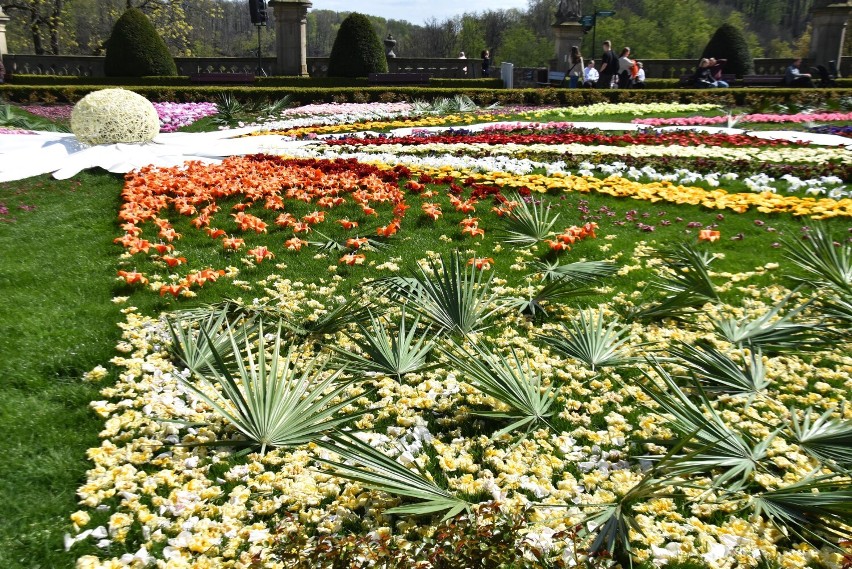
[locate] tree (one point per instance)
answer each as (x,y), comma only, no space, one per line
(729,43)
(357,50)
(135,49)
(523,49)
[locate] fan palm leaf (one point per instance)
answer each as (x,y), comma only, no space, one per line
(581,273)
(506,380)
(827,439)
(200,335)
(588,340)
(774,333)
(712,444)
(817,509)
(456,297)
(397,354)
(529,222)
(368,466)
(717,371)
(824,262)
(689,271)
(267,399)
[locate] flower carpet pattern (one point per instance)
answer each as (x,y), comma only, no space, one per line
(501,428)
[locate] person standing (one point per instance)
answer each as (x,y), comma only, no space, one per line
(486,62)
(625,69)
(639,79)
(575,67)
(609,66)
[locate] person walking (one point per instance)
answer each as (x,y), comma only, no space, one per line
(575,67)
(609,66)
(625,69)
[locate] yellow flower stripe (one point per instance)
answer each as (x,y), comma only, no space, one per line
(382,124)
(740,202)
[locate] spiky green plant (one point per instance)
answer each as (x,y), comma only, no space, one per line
(355,310)
(689,272)
(588,340)
(268,399)
(717,371)
(395,354)
(580,274)
(368,466)
(825,262)
(228,108)
(456,297)
(816,509)
(529,222)
(549,293)
(827,439)
(774,333)
(712,445)
(200,334)
(530,402)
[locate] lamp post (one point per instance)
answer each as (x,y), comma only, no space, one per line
(591,22)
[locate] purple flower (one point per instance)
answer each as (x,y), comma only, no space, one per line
(759,223)
(695,224)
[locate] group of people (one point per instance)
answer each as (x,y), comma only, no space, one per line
(615,71)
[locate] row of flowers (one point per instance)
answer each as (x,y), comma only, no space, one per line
(748,118)
(172,116)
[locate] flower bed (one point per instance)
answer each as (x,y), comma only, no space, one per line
(683,440)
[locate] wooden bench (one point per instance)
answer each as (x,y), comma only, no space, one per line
(399,78)
(763,81)
(554,79)
(243,78)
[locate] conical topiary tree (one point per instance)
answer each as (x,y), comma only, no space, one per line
(729,43)
(135,49)
(357,50)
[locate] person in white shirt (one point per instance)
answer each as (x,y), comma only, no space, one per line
(590,74)
(639,80)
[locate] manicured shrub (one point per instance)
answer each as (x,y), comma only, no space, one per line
(135,49)
(114,115)
(357,50)
(729,43)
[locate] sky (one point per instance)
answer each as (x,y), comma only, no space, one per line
(416,11)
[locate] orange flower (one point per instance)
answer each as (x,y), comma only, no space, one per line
(301,227)
(233,243)
(295,244)
(399,209)
(169,234)
(215,233)
(314,218)
(347,224)
(368,210)
(260,253)
(174,261)
(247,221)
(133,277)
(708,235)
(556,245)
(433,210)
(469,222)
(163,247)
(474,231)
(174,290)
(352,259)
(481,263)
(466,206)
(285,220)
(389,229)
(356,242)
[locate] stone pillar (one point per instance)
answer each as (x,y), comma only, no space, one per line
(291,36)
(829,30)
(567,34)
(3,20)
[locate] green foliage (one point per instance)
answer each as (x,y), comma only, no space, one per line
(134,48)
(522,48)
(826,438)
(587,340)
(393,354)
(529,222)
(505,379)
(268,399)
(825,263)
(729,43)
(717,371)
(371,467)
(357,50)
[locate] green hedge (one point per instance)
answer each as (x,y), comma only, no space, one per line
(278,81)
(548,96)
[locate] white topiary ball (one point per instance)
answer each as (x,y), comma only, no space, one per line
(114,115)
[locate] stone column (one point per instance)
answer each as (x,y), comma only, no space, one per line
(3,20)
(567,34)
(829,30)
(291,36)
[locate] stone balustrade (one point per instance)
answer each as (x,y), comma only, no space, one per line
(93,66)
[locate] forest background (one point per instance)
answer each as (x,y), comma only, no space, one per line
(655,29)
